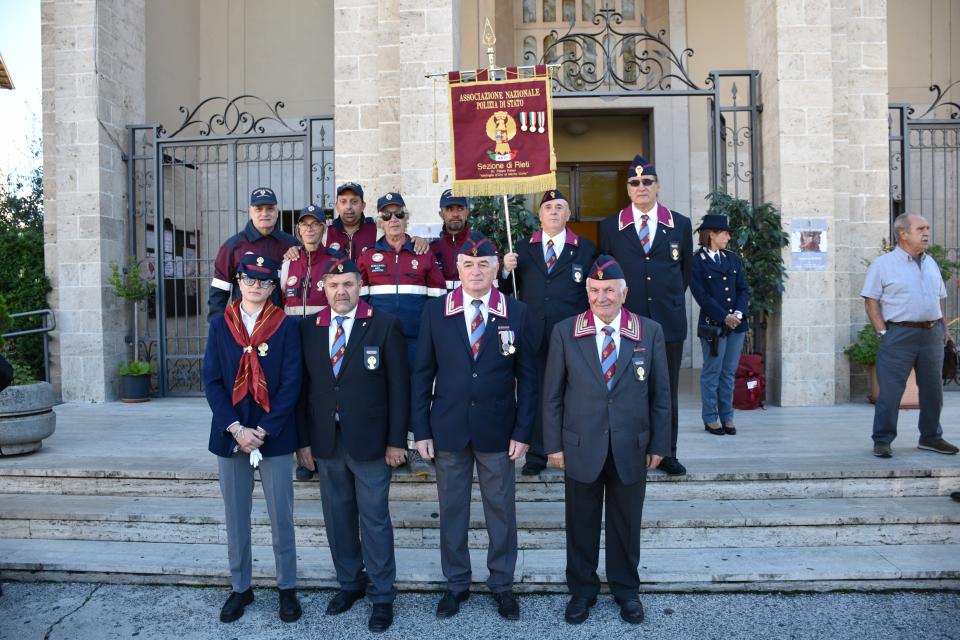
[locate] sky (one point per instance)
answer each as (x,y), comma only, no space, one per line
(20,109)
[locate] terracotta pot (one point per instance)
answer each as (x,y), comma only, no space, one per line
(911,393)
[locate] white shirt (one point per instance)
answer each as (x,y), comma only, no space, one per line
(468,309)
(347,326)
(651,222)
(711,254)
(249,320)
(613,324)
(558,241)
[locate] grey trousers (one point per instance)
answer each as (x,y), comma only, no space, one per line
(356,514)
(903,349)
(496,473)
(236,485)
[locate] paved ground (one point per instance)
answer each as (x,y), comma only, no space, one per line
(105,612)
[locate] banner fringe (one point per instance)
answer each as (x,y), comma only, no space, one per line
(533,184)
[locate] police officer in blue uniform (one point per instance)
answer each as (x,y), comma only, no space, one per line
(720,288)
(654,247)
(550,269)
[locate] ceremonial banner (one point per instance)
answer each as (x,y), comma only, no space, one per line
(501,133)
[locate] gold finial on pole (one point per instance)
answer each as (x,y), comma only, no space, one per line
(490,39)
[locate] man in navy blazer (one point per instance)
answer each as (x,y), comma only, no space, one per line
(474,393)
(551,270)
(654,247)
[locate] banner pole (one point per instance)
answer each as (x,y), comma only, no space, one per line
(490,39)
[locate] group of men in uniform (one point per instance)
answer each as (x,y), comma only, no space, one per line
(399,336)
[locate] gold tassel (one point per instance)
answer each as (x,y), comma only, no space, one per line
(553,161)
(436,171)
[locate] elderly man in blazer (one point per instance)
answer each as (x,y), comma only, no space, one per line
(550,269)
(473,402)
(353,416)
(654,247)
(606,420)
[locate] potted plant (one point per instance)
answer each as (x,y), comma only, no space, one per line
(864,352)
(26,407)
(129,284)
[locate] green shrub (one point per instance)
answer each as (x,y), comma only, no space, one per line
(136,368)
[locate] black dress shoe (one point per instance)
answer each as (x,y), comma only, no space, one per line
(290,609)
(955,496)
(578,609)
(507,605)
(631,610)
(233,608)
(449,604)
(304,474)
(729,429)
(714,428)
(532,468)
(343,601)
(381,617)
(672,467)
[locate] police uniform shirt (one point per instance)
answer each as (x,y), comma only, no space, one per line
(613,324)
(651,220)
(906,291)
(712,254)
(558,243)
(347,326)
(468,309)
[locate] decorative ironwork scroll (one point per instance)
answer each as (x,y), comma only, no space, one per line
(610,59)
(940,105)
(243,115)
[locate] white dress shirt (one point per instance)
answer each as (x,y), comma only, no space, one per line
(249,320)
(651,222)
(711,254)
(347,326)
(613,324)
(468,309)
(558,242)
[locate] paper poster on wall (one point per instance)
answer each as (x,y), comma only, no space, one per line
(808,244)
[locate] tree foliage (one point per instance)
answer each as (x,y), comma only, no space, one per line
(23,282)
(486,216)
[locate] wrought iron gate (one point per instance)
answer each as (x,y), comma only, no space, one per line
(925,173)
(611,62)
(188,191)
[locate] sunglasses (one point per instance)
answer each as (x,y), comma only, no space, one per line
(253,282)
(386,215)
(647,182)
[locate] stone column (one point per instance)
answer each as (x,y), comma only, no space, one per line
(428,44)
(356,45)
(95,53)
(824,154)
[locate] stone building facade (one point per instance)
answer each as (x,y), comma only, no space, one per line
(828,69)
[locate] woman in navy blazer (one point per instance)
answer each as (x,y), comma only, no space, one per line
(251,376)
(720,288)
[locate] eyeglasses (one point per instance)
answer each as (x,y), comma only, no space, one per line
(310,225)
(253,282)
(386,215)
(647,182)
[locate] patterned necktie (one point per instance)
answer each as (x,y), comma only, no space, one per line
(476,328)
(644,233)
(339,347)
(608,356)
(551,256)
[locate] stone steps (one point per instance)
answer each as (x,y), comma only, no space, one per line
(840,482)
(743,568)
(809,522)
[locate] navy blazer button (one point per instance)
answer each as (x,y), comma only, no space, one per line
(336,388)
(474,374)
(649,299)
(473,403)
(649,278)
(610,401)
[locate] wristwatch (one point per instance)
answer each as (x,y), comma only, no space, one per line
(880,334)
(739,314)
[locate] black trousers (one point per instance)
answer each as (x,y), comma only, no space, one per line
(674,356)
(584,509)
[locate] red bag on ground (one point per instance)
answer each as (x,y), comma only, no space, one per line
(749,382)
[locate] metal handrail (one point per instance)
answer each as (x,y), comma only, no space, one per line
(45,330)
